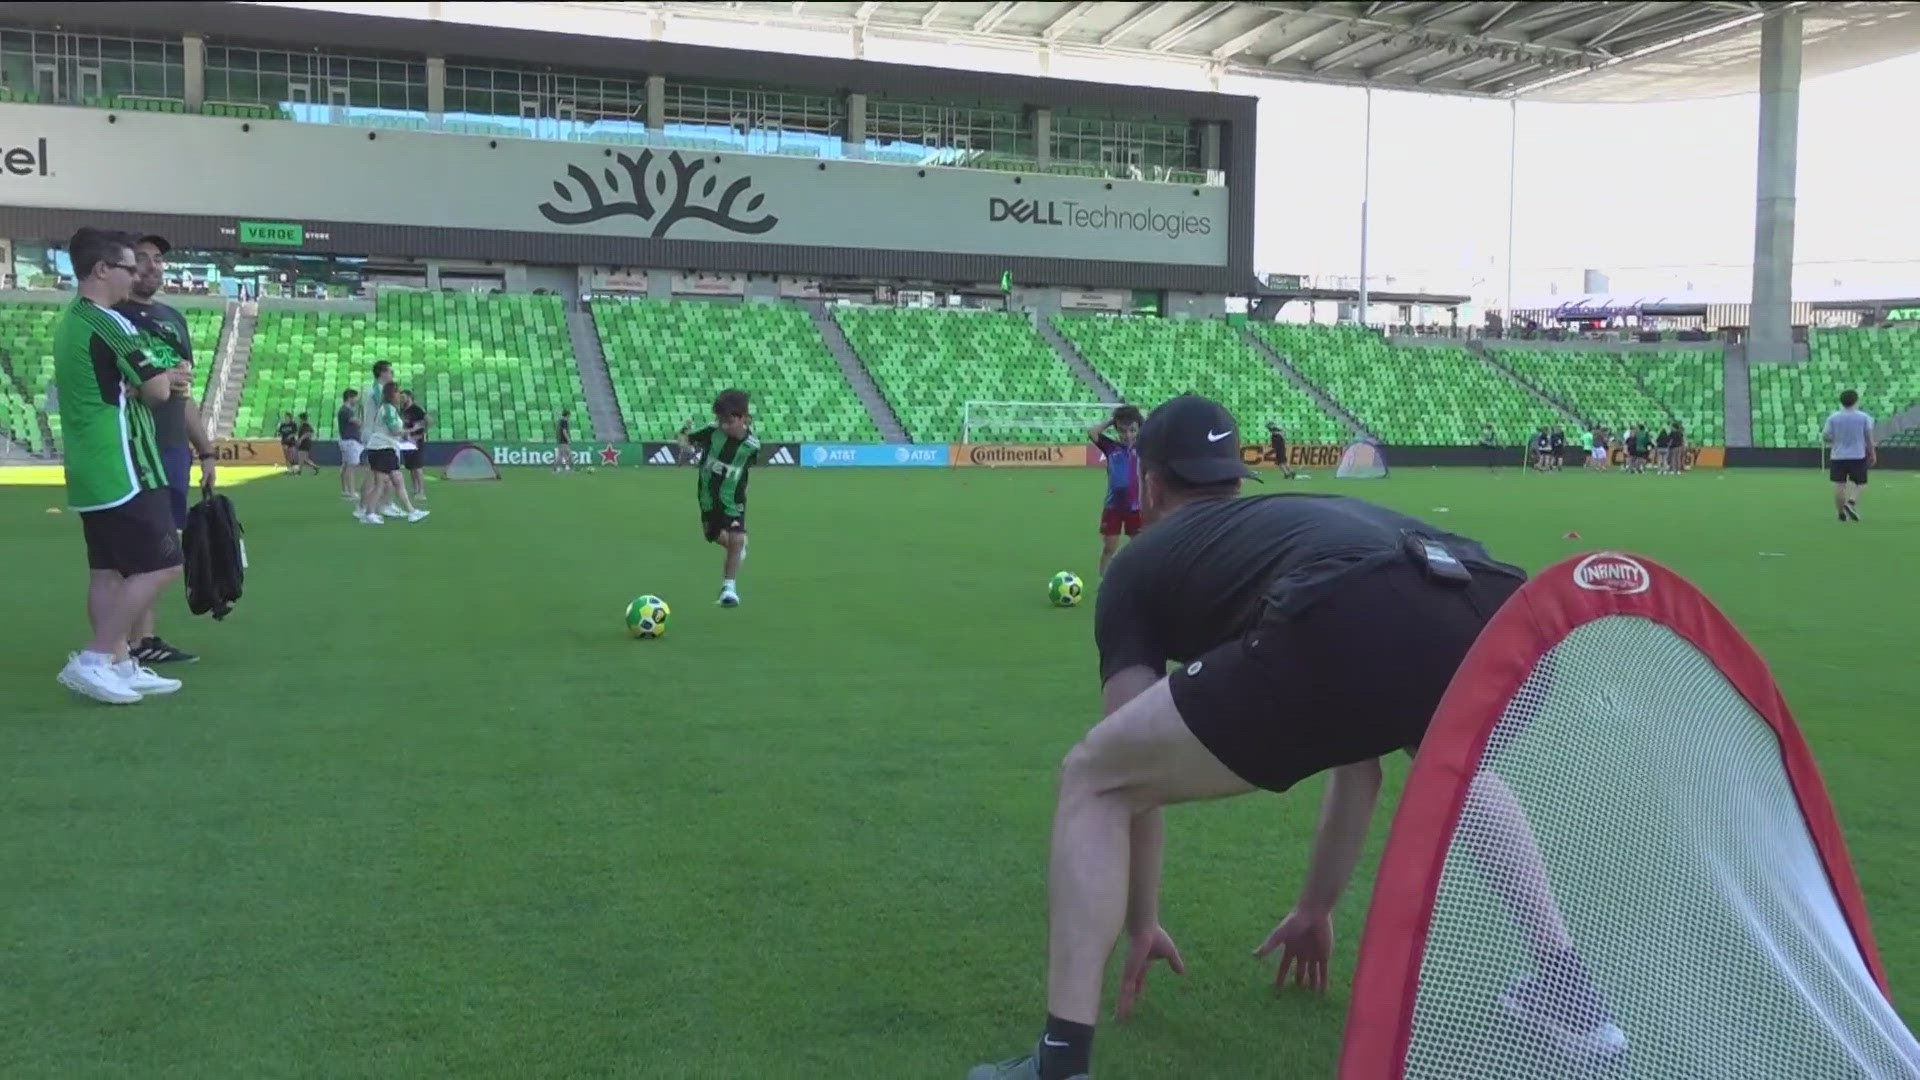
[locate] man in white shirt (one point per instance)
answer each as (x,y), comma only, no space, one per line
(1849,437)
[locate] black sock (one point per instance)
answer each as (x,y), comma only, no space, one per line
(1066,1049)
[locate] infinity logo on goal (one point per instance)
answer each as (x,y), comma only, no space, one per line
(1608,571)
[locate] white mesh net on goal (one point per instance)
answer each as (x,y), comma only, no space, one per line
(470,463)
(1683,868)
(1362,461)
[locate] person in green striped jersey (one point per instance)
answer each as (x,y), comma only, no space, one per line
(727,451)
(109,383)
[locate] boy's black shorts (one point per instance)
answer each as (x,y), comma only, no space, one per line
(1356,675)
(716,521)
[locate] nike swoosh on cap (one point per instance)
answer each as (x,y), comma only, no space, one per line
(1211,437)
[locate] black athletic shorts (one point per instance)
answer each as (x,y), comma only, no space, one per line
(136,537)
(415,458)
(1356,675)
(383,461)
(716,521)
(1841,470)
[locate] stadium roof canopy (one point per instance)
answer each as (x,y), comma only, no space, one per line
(1576,50)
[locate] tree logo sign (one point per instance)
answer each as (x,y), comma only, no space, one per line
(663,191)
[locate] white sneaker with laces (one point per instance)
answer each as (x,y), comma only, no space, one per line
(728,598)
(419,515)
(392,511)
(96,680)
(143,680)
(371,519)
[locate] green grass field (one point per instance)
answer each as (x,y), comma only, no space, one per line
(424,810)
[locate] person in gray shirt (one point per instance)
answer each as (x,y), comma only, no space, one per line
(1849,438)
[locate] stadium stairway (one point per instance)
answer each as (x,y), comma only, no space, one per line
(1900,426)
(1480,349)
(234,356)
(596,383)
(1739,396)
(857,374)
(1292,375)
(17,387)
(1071,357)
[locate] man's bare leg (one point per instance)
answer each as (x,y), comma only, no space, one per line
(1509,857)
(1135,761)
(1840,498)
(1108,546)
(115,603)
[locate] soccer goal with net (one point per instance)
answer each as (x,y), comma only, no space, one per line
(1362,461)
(1031,421)
(470,462)
(1615,857)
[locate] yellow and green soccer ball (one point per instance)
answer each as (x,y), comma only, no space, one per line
(1064,589)
(647,617)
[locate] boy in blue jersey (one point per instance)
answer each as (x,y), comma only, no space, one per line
(1121,512)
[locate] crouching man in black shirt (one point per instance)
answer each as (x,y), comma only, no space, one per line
(1314,633)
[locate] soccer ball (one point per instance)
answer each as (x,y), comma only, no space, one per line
(647,617)
(1064,589)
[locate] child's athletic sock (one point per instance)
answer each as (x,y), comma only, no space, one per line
(726,585)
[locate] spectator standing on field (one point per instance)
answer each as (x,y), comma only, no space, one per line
(115,477)
(347,427)
(1851,450)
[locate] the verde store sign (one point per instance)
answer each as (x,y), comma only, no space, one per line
(279,182)
(272,234)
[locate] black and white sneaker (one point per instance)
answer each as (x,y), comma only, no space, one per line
(156,651)
(1853,511)
(1562,1003)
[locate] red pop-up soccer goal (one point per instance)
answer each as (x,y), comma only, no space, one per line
(1613,766)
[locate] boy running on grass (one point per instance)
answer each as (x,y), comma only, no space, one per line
(727,451)
(1121,512)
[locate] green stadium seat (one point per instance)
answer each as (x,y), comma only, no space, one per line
(1149,360)
(1691,383)
(1424,395)
(494,367)
(1791,401)
(930,363)
(669,358)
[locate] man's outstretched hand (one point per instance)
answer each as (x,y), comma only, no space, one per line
(1305,942)
(1142,951)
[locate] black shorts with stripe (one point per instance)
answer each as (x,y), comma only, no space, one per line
(136,537)
(716,521)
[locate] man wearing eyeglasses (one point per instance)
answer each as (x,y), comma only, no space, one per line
(116,479)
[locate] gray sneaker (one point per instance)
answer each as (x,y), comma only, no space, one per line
(1020,1068)
(1565,1007)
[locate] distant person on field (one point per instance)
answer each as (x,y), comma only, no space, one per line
(347,427)
(177,424)
(1851,451)
(563,442)
(1120,513)
(728,449)
(384,430)
(303,445)
(115,476)
(370,401)
(289,432)
(414,418)
(1677,448)
(1279,440)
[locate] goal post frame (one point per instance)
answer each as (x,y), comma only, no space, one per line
(1078,413)
(1527,627)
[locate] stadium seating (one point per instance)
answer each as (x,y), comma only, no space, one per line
(485,367)
(668,358)
(1691,384)
(1149,360)
(1594,384)
(26,332)
(929,364)
(1791,401)
(1434,395)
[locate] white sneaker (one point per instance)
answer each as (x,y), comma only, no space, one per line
(419,515)
(97,681)
(142,680)
(392,511)
(729,598)
(370,519)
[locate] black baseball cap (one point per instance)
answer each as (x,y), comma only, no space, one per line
(1195,440)
(157,241)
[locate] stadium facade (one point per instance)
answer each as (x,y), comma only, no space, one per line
(256,128)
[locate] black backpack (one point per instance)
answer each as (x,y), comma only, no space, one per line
(216,564)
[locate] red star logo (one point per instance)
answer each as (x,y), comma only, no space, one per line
(609,455)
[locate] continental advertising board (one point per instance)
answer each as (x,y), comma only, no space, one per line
(275,175)
(1024,455)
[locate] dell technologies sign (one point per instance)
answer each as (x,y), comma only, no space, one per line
(1071,214)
